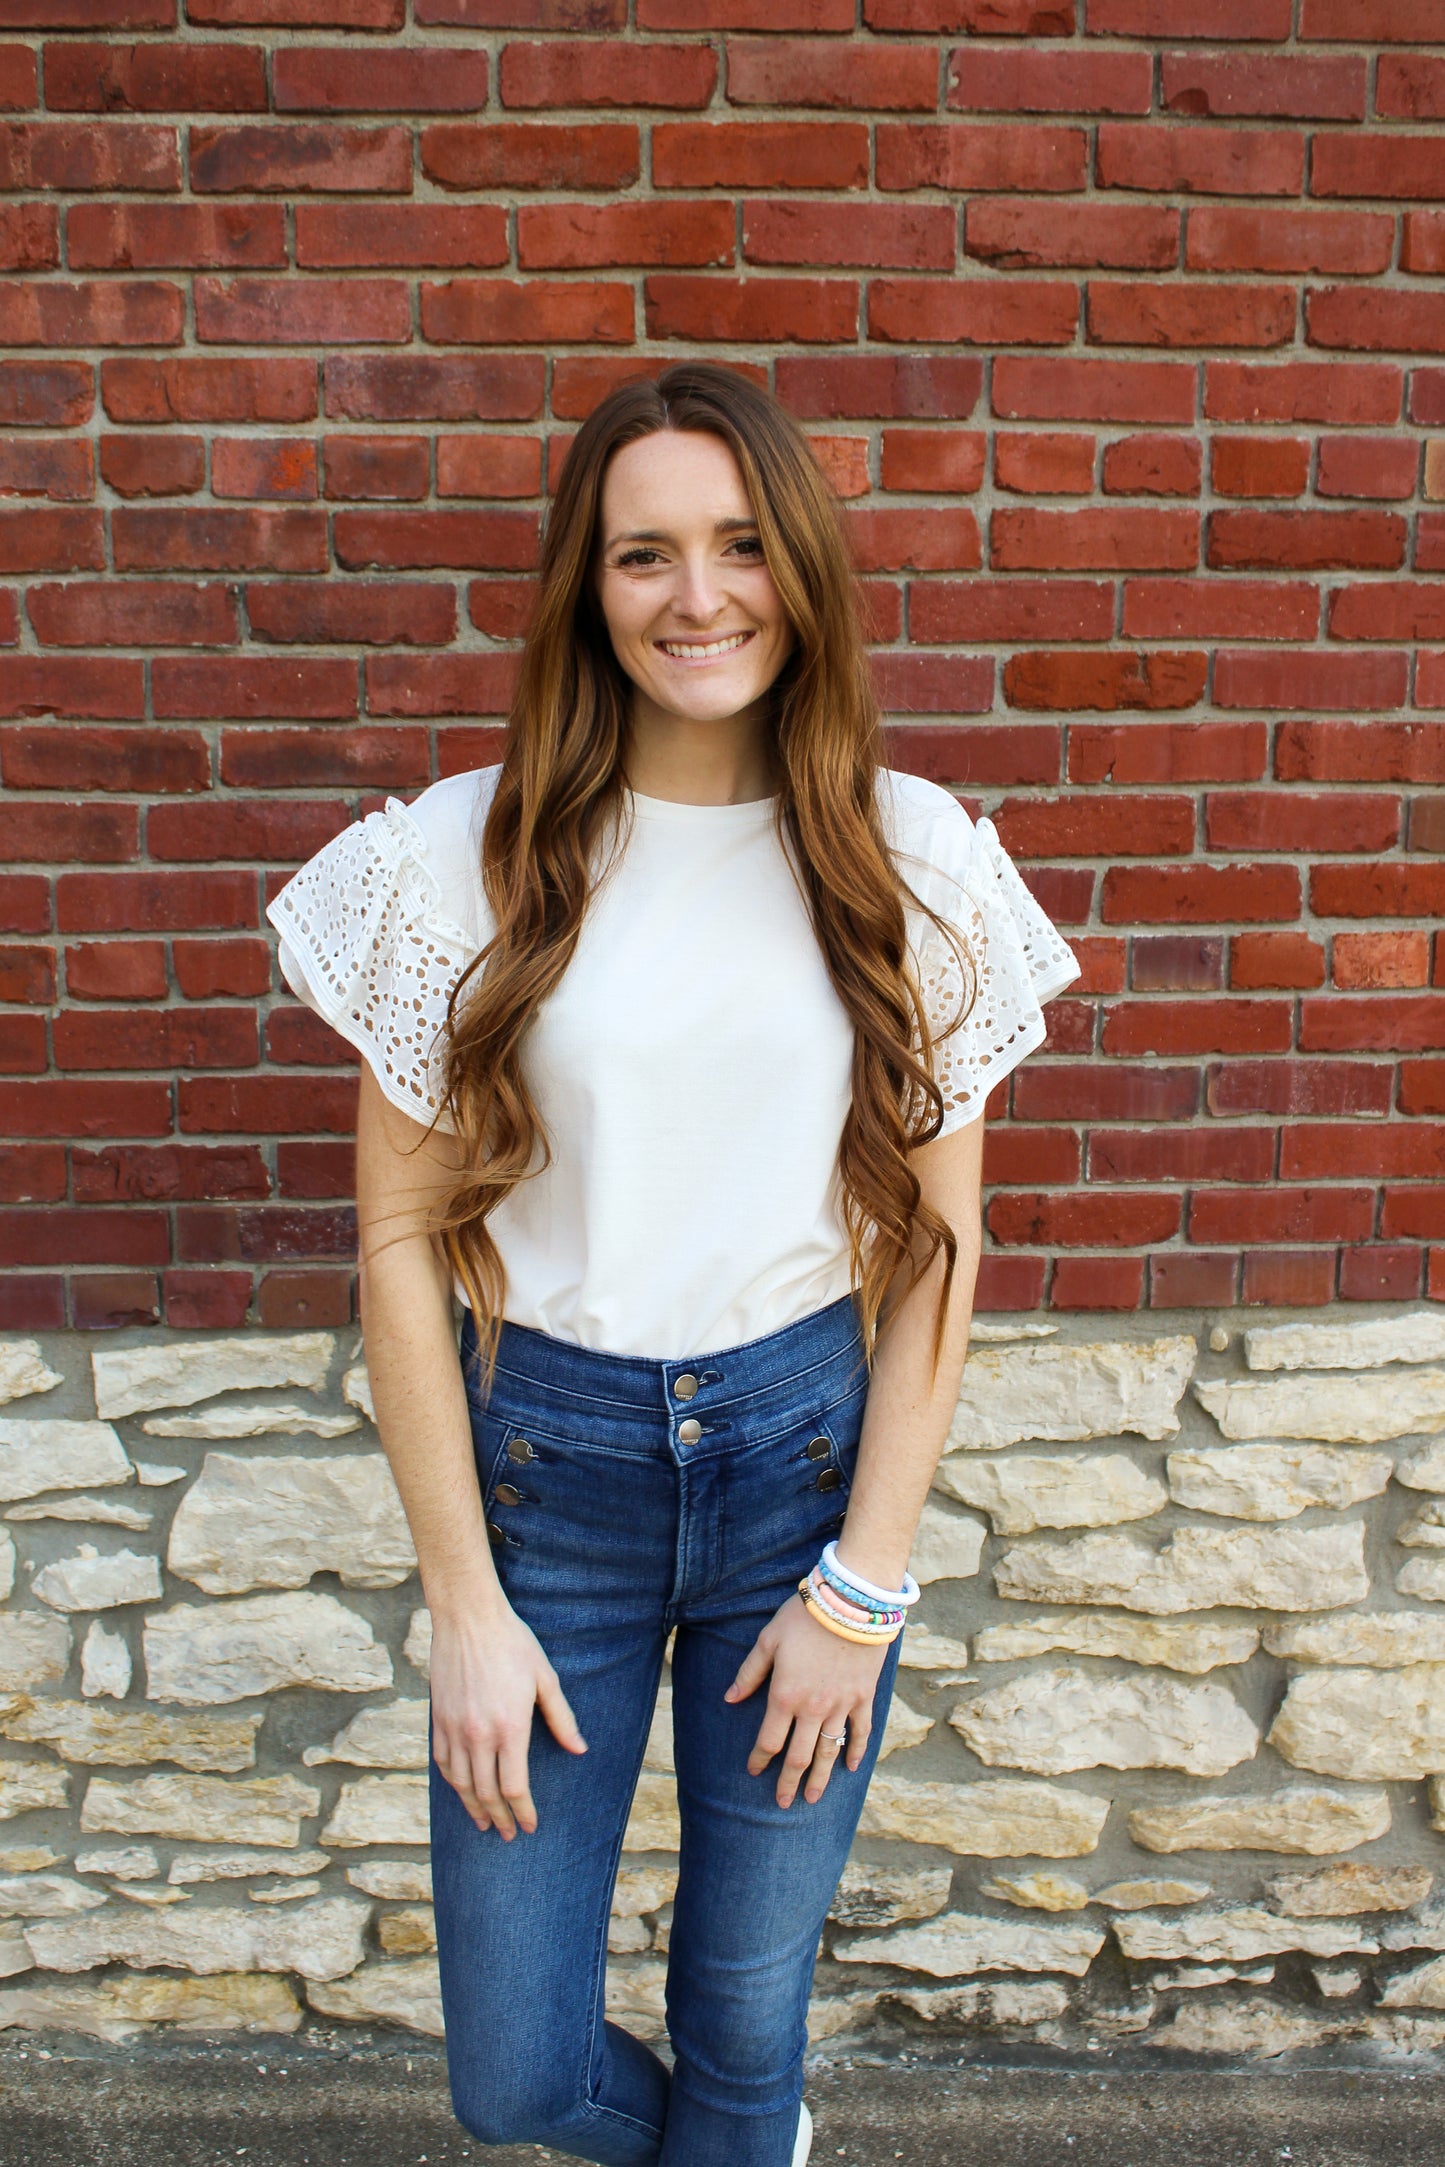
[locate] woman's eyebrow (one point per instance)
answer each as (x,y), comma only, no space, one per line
(655,534)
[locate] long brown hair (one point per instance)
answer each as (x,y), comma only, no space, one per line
(562,788)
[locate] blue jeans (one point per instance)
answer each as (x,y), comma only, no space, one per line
(626,1507)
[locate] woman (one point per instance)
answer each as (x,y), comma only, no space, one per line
(677,1030)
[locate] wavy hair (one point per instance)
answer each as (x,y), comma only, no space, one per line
(561,793)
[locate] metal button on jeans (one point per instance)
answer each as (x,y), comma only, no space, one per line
(507,1493)
(829,1479)
(817,1448)
(495,1535)
(519,1449)
(685,1385)
(689,1432)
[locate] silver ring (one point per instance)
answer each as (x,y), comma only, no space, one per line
(832,1740)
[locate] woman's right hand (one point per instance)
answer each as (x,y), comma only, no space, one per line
(487,1674)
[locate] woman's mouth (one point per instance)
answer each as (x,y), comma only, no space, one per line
(703,650)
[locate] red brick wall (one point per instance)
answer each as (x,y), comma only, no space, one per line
(1121,330)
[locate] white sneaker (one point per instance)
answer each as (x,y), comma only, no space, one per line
(804,2143)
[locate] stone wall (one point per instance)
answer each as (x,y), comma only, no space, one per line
(1166,1763)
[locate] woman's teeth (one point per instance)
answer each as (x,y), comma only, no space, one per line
(686,651)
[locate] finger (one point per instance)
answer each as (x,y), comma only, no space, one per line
(512,1779)
(557,1714)
(860,1730)
(755,1667)
(488,1790)
(772,1737)
(797,1759)
(456,1769)
(825,1757)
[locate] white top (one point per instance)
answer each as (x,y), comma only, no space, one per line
(693,1066)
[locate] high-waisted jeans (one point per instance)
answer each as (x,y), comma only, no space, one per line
(624,1503)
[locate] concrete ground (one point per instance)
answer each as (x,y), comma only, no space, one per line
(329,2100)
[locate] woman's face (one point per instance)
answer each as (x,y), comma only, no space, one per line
(693,614)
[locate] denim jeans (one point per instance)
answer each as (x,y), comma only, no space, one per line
(623,1505)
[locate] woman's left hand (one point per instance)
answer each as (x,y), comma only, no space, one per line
(821,1683)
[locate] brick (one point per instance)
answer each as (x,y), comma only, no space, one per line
(304,1301)
(533,154)
(579,74)
(264,1105)
(19,82)
(205,387)
(131,312)
(132,613)
(27,975)
(745,14)
(1417,1212)
(1167,158)
(433,387)
(153,466)
(967,155)
(1289,1278)
(71,156)
(440,684)
(1271,820)
(1000,79)
(1199,894)
(351,79)
(33,833)
(1080,827)
(1252,466)
(148,761)
(573,236)
(85,1237)
(1181,1155)
(1104,1283)
(305,14)
(492,466)
(88,14)
(1264,960)
(976,312)
(1422,242)
(160,1038)
(1141,752)
(975,756)
(429,541)
(497,311)
(245,829)
(116,971)
(1369,960)
(1156,466)
(377,467)
(70,1109)
(1209,1280)
(1103,682)
(300,159)
(24,903)
(919,538)
(1025,235)
(1044,463)
(278,467)
(32,1174)
(1422,1087)
(1009,1283)
(1084,1220)
(1376,321)
(1377,1273)
(753,310)
(431,236)
(297,1039)
(146,901)
(213,970)
(254,688)
(343,312)
(81,77)
(1116,539)
(1379,891)
(54,467)
(1250,86)
(1363,395)
(9,620)
(1253,237)
(205,1301)
(1429,542)
(1318,678)
(29,237)
(920,684)
(378,613)
(1176,962)
(1090,388)
(923,387)
(502,608)
(1278,1214)
(1268,20)
(326,759)
(148,538)
(175,236)
(948,461)
(1408,167)
(1305,541)
(917,236)
(1148,312)
(45,394)
(803,72)
(81,686)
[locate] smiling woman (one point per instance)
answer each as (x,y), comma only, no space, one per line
(678,1028)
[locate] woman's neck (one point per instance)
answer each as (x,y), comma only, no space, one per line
(727,762)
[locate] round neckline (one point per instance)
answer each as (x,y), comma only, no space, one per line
(738,812)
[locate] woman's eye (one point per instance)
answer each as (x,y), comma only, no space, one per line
(635,556)
(751,543)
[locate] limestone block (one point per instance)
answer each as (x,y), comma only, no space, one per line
(201,1809)
(1150,1895)
(1025,1491)
(991,1819)
(1274,1482)
(14,1956)
(393,1735)
(1338,1981)
(904,1728)
(258,1418)
(1416,1335)
(1236,1936)
(24,1370)
(657,1753)
(1062,1393)
(356,1390)
(105,1667)
(119,2008)
(1191,1976)
(412,1932)
(984,1330)
(179,1372)
(1197,1568)
(1424,1528)
(634,1995)
(1336,1410)
(188,1867)
(100,1511)
(320,1939)
(202,1654)
(1435,1792)
(158,1474)
(886,1895)
(38,1453)
(831,2015)
(123,1862)
(1184,1645)
(108,1738)
(7,1563)
(1422,1988)
(947,1546)
(34,1649)
(1424,1929)
(1365,1724)
(925,1650)
(652,1824)
(408,1880)
(45,1896)
(405,1991)
(145,1893)
(1059,1718)
(1425,1469)
(417,1645)
(1001,2005)
(271,1892)
(1303,1818)
(625,1937)
(263,1521)
(1037,1891)
(27,1858)
(956,1942)
(641,1888)
(379,1809)
(1424,1577)
(27,1786)
(1257,2028)
(1352,1886)
(89,1581)
(1383,1637)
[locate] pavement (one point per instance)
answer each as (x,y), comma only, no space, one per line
(325,2100)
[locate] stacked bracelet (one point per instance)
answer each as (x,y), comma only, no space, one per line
(894,1598)
(835,1624)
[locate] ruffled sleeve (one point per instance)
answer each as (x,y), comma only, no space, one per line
(366,941)
(1019,960)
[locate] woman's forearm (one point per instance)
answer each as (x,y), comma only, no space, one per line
(421,1413)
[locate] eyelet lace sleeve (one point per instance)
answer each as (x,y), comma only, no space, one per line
(364,943)
(1019,962)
